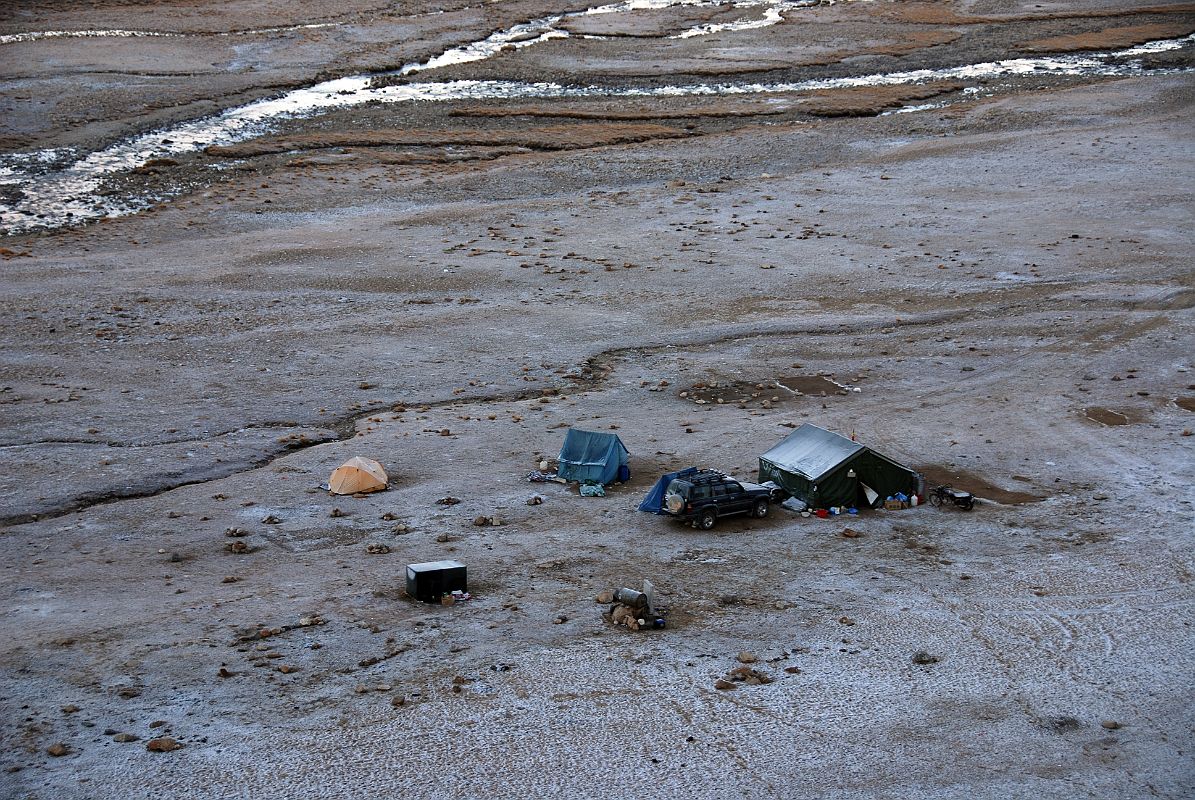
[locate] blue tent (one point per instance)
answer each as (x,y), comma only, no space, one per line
(591,456)
(654,502)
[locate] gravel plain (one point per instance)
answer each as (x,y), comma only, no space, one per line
(1006,277)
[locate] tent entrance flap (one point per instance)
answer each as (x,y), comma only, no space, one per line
(654,502)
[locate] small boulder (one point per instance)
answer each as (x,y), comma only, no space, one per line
(924,658)
(163,744)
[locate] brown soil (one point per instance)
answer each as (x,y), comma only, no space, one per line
(816,385)
(604,112)
(1109,38)
(943,14)
(976,485)
(866,101)
(570,137)
(1105,416)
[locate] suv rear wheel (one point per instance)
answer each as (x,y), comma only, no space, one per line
(707,519)
(760,510)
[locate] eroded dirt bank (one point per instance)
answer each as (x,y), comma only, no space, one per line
(1006,280)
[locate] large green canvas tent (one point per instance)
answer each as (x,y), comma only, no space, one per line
(823,469)
(588,456)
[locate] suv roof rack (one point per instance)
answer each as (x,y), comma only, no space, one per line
(705,476)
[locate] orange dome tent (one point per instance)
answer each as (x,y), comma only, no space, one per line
(358,475)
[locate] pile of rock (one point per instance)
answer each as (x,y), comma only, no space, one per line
(622,614)
(742,675)
(632,609)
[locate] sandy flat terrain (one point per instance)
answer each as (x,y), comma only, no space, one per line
(446,286)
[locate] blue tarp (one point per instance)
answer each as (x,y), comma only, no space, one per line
(592,456)
(654,502)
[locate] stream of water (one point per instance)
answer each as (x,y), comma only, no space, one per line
(55,187)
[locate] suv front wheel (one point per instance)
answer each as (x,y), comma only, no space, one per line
(707,519)
(760,510)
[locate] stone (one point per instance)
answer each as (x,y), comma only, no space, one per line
(224,673)
(1110,724)
(229,579)
(748,676)
(237,548)
(287,669)
(235,532)
(443,537)
(70,709)
(747,657)
(851,533)
(605,597)
(724,684)
(57,749)
(377,548)
(126,737)
(163,744)
(481,521)
(923,658)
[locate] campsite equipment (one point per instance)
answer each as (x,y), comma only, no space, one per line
(358,475)
(636,609)
(592,456)
(824,469)
(630,597)
(430,581)
(948,494)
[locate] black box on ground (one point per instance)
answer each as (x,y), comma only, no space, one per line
(430,581)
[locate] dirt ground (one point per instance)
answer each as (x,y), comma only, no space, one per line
(1005,277)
